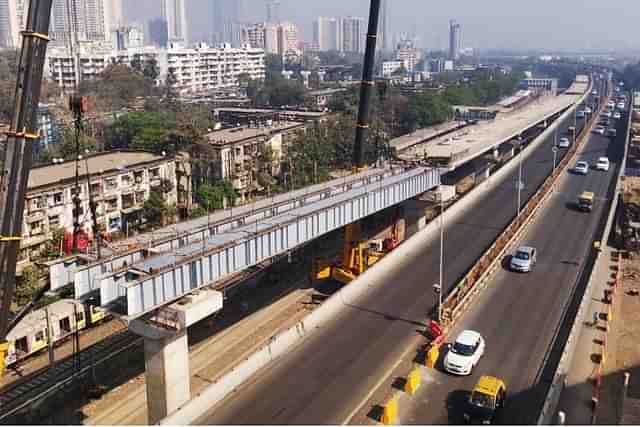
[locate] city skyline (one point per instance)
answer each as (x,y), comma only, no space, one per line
(550,25)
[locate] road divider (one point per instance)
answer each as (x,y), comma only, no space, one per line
(390,411)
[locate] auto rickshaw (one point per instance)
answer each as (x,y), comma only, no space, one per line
(487,398)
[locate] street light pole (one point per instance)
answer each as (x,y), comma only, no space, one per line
(519,174)
(441,257)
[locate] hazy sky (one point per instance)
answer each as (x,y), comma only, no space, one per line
(559,24)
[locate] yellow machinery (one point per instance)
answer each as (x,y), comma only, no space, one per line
(357,257)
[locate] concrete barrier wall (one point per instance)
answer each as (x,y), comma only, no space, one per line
(376,276)
(547,415)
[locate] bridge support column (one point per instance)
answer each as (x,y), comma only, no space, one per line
(166,360)
(415,218)
(166,350)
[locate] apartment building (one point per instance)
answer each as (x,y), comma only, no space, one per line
(195,70)
(235,154)
(120,181)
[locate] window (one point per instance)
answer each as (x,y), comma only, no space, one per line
(111,184)
(79,316)
(54,220)
(40,336)
(58,198)
(155,173)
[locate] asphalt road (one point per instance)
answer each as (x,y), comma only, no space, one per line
(519,313)
(323,379)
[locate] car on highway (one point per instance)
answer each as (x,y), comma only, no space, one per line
(602,164)
(611,104)
(585,201)
(581,168)
(594,93)
(606,114)
(612,132)
(465,353)
(580,114)
(617,115)
(524,259)
(486,400)
(588,110)
(621,106)
(564,142)
(599,129)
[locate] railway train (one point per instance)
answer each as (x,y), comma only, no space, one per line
(65,317)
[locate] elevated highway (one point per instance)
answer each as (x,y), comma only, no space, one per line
(326,377)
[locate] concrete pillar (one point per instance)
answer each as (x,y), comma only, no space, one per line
(166,350)
(166,359)
(414,215)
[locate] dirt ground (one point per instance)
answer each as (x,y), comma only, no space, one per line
(623,350)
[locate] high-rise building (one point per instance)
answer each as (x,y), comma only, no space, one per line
(129,37)
(271,39)
(273,11)
(158,32)
(254,35)
(9,30)
(327,33)
(454,40)
(88,19)
(226,21)
(287,38)
(384,36)
(115,9)
(174,13)
(353,34)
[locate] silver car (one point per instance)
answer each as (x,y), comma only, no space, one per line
(524,259)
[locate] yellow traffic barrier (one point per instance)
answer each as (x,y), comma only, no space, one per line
(325,273)
(4,349)
(390,414)
(610,314)
(413,380)
(432,356)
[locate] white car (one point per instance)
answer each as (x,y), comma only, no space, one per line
(621,106)
(564,143)
(581,168)
(602,164)
(599,130)
(465,353)
(611,104)
(587,110)
(606,114)
(617,115)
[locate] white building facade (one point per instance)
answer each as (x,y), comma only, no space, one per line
(195,70)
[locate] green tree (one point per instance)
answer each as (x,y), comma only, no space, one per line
(67,149)
(27,285)
(151,70)
(155,209)
(212,197)
(273,66)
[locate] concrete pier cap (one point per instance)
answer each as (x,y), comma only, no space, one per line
(166,350)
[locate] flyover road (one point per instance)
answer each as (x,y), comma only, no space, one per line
(518,314)
(325,378)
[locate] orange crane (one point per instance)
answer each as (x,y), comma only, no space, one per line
(17,158)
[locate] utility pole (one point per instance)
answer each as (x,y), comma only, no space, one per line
(519,173)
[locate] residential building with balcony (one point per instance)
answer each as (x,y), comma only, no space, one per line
(196,70)
(238,155)
(119,182)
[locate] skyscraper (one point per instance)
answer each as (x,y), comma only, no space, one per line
(89,19)
(287,38)
(226,21)
(158,32)
(115,10)
(454,40)
(174,13)
(9,31)
(384,37)
(327,33)
(273,11)
(353,34)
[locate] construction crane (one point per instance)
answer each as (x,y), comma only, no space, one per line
(359,255)
(17,157)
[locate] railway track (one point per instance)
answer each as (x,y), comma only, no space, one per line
(44,383)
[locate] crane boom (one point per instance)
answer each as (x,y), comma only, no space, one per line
(16,155)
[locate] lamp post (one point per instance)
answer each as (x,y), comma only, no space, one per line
(555,153)
(519,173)
(437,288)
